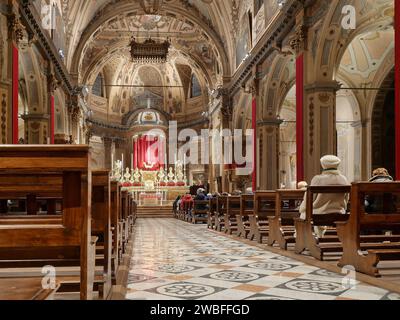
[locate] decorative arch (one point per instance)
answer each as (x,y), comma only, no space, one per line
(110,11)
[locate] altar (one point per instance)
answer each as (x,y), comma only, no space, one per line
(152,188)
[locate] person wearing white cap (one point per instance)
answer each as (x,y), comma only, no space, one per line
(328,203)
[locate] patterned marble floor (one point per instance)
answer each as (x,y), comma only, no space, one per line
(173,260)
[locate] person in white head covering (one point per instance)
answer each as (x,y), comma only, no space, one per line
(328,203)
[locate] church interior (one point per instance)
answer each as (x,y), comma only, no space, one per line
(199,150)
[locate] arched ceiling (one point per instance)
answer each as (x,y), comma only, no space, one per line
(365,55)
(188,42)
(89,22)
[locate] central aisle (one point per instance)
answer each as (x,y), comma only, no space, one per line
(175,260)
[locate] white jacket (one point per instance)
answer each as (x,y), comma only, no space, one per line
(328,203)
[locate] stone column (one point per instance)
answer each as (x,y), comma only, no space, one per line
(315,107)
(36,128)
(108,152)
(269,137)
(320,137)
(226,123)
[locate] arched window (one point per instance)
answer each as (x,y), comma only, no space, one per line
(195,87)
(98,86)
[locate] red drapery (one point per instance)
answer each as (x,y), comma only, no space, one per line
(52,115)
(397,86)
(15,75)
(149,153)
(299,117)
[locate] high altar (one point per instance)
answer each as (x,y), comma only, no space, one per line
(150,187)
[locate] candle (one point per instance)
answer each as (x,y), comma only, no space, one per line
(132,161)
(123,163)
(112,161)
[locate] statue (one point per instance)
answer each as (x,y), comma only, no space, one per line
(179,172)
(171,175)
(161,175)
(127,175)
(136,176)
(117,172)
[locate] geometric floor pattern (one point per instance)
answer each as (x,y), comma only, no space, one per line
(174,260)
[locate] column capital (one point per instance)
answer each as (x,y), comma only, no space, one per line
(53,83)
(298,42)
(15,28)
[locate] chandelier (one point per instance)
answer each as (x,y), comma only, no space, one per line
(149,51)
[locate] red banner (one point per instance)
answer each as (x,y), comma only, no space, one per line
(15,76)
(299,117)
(397,86)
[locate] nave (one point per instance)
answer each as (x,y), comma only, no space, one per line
(173,260)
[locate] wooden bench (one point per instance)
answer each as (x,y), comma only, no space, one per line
(200,211)
(233,209)
(27,245)
(242,219)
(101,225)
(116,229)
(212,204)
(364,252)
(222,205)
(26,289)
(281,226)
(264,207)
(306,239)
(124,223)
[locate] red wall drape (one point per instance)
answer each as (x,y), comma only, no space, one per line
(299,117)
(52,120)
(15,76)
(397,85)
(149,150)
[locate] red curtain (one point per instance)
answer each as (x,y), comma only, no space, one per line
(147,151)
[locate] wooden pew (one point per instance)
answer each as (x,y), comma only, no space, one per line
(306,239)
(187,210)
(26,289)
(124,224)
(222,205)
(33,244)
(100,228)
(233,209)
(281,226)
(264,206)
(101,224)
(200,211)
(364,252)
(212,204)
(115,227)
(246,210)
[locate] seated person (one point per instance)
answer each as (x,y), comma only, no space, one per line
(249,204)
(380,203)
(201,196)
(327,203)
(187,203)
(175,205)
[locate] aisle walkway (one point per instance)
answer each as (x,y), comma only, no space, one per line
(175,260)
